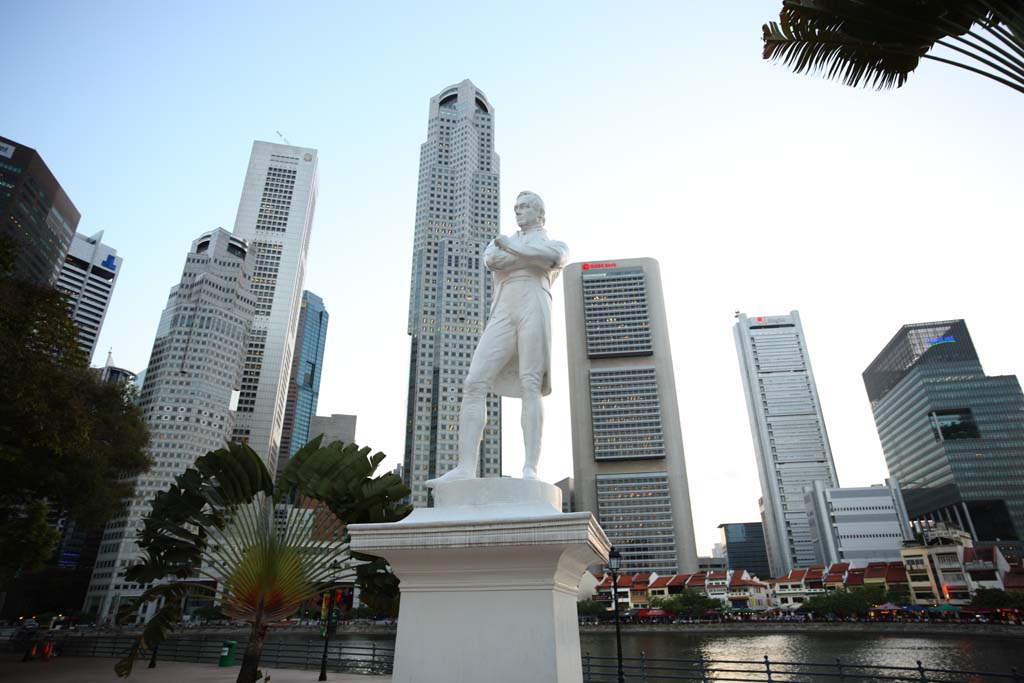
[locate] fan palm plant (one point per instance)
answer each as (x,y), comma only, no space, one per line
(224,530)
(879,42)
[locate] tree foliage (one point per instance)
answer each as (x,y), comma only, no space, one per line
(591,608)
(994,598)
(857,601)
(224,529)
(66,437)
(879,42)
(689,602)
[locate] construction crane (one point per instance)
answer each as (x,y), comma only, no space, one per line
(282,137)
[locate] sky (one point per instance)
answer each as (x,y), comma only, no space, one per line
(650,129)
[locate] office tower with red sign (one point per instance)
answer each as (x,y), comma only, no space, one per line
(790,441)
(628,463)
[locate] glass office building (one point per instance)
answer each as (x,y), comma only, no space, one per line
(744,548)
(36,215)
(952,436)
(304,387)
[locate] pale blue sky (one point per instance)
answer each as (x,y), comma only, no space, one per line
(650,129)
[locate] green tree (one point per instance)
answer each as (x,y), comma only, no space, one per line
(879,42)
(840,603)
(898,594)
(994,598)
(266,549)
(591,608)
(66,437)
(689,602)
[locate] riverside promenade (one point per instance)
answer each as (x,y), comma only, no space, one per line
(101,670)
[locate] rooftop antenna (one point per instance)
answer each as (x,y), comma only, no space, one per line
(282,137)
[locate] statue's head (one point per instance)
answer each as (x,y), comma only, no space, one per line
(529,210)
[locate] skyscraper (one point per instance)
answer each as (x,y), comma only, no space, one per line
(744,548)
(275,217)
(952,436)
(450,292)
(35,213)
(191,381)
(790,441)
(304,385)
(88,275)
(627,445)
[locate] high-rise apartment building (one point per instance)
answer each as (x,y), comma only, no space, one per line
(743,545)
(187,399)
(627,445)
(790,441)
(35,213)
(857,525)
(88,276)
(952,436)
(450,293)
(275,217)
(304,385)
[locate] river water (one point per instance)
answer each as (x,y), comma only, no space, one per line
(962,652)
(971,653)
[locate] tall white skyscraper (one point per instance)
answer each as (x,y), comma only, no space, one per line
(88,275)
(193,376)
(275,217)
(627,445)
(450,293)
(788,429)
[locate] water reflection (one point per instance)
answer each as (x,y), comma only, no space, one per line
(984,654)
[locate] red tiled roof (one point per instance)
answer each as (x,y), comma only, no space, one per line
(837,577)
(814,573)
(855,577)
(695,580)
(679,579)
(896,573)
(797,574)
(874,571)
(642,576)
(744,582)
(839,567)
(717,575)
(661,582)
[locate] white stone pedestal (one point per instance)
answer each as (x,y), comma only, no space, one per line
(488,581)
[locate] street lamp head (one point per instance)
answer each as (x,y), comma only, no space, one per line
(614,560)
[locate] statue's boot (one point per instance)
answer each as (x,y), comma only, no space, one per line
(530,467)
(463,471)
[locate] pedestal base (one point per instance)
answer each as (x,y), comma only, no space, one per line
(489,583)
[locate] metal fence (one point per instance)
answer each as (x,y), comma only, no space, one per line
(377,659)
(649,670)
(284,653)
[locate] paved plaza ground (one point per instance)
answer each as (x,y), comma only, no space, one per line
(101,670)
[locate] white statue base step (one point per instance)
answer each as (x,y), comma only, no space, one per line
(489,583)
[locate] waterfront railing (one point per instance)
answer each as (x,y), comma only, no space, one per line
(374,658)
(644,669)
(342,657)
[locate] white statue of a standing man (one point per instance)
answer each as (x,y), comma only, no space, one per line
(513,357)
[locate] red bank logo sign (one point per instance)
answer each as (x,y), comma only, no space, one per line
(595,266)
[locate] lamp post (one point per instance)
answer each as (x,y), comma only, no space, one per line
(327,632)
(614,562)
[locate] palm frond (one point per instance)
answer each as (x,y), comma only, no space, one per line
(834,54)
(880,42)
